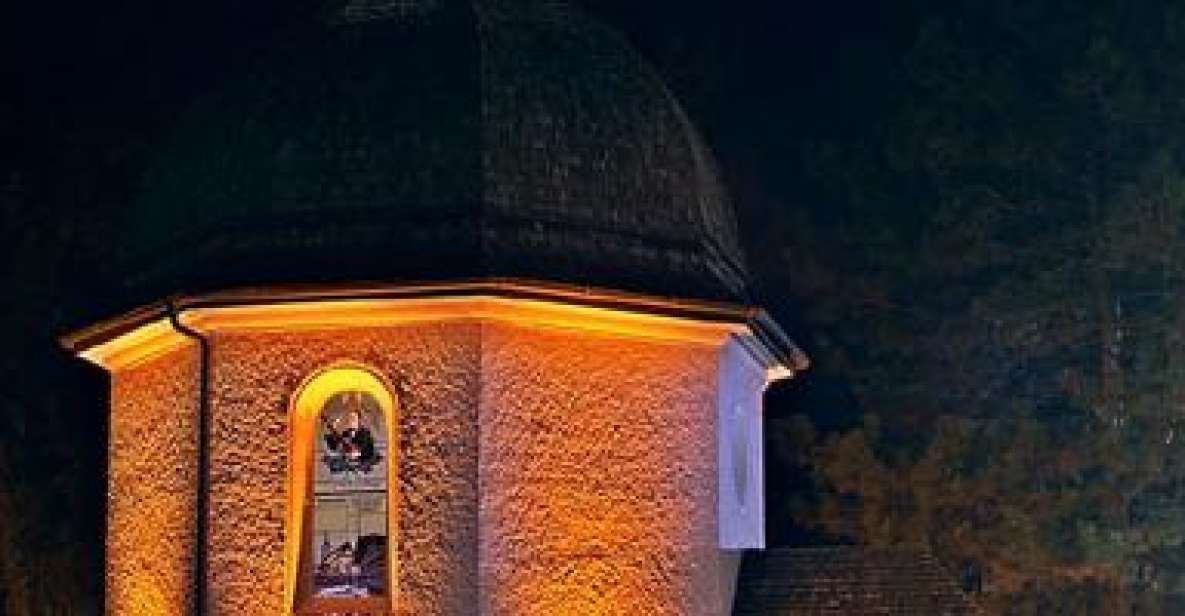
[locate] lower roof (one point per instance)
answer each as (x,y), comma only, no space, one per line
(830,580)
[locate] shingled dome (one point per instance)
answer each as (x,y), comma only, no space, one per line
(422,140)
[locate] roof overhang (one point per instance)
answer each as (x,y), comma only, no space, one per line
(148,331)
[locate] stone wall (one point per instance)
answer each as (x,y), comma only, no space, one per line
(152,481)
(434,369)
(595,456)
(598,475)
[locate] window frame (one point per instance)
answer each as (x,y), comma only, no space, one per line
(305,406)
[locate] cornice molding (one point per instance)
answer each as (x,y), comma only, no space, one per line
(145,333)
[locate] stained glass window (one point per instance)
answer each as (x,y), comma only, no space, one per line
(349,496)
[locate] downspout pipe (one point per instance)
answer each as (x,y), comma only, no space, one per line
(200,566)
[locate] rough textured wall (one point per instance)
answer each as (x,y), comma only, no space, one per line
(434,369)
(598,475)
(597,469)
(152,483)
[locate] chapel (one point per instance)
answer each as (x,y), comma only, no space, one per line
(434,307)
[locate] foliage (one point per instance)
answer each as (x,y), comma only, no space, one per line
(1004,296)
(51,408)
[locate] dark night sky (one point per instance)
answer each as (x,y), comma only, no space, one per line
(91,88)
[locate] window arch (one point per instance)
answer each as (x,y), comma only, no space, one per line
(342,484)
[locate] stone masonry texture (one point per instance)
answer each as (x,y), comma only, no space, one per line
(152,480)
(540,471)
(434,370)
(598,475)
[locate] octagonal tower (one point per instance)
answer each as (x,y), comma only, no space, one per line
(442,311)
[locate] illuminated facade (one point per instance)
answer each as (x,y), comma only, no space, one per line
(562,416)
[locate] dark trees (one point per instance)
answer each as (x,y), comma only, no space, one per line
(1000,281)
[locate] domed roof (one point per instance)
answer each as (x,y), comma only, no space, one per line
(438,140)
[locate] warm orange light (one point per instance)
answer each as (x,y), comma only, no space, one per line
(137,346)
(585,484)
(150,522)
(158,337)
(386,312)
(306,403)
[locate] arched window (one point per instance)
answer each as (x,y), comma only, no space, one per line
(340,555)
